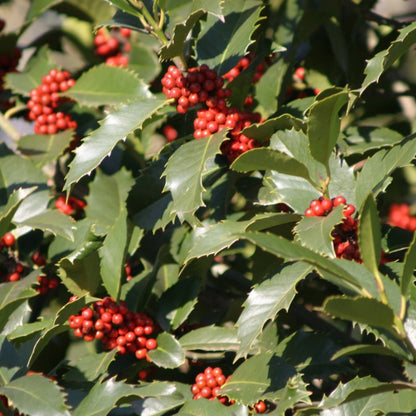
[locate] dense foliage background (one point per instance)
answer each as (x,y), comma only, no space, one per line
(207,208)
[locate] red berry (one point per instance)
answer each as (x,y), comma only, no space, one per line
(8,239)
(151,344)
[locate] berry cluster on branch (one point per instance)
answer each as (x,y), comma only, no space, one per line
(73,206)
(113,46)
(399,216)
(44,101)
(344,235)
(116,327)
(208,383)
(203,86)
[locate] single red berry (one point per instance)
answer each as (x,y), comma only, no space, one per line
(260,406)
(8,239)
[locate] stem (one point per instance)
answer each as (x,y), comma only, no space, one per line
(403,303)
(401,332)
(9,129)
(380,286)
(11,111)
(153,25)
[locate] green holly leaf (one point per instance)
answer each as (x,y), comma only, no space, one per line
(315,232)
(269,159)
(175,46)
(359,309)
(241,17)
(384,59)
(369,235)
(115,127)
(407,276)
(375,175)
(42,149)
(177,302)
(266,300)
(112,255)
(36,395)
(38,7)
(211,338)
(184,173)
(264,131)
(103,397)
(294,191)
(263,376)
(169,353)
(324,124)
(93,89)
(8,209)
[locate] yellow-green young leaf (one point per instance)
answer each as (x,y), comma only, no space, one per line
(211,338)
(92,87)
(408,277)
(38,66)
(36,395)
(266,300)
(241,18)
(169,353)
(315,232)
(324,124)
(185,170)
(72,308)
(368,311)
(369,235)
(115,127)
(384,59)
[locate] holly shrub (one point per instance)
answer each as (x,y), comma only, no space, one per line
(207,208)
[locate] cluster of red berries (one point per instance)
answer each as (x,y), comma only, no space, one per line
(73,206)
(47,282)
(399,216)
(207,385)
(45,99)
(111,45)
(116,327)
(203,86)
(299,88)
(11,269)
(243,64)
(200,85)
(344,234)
